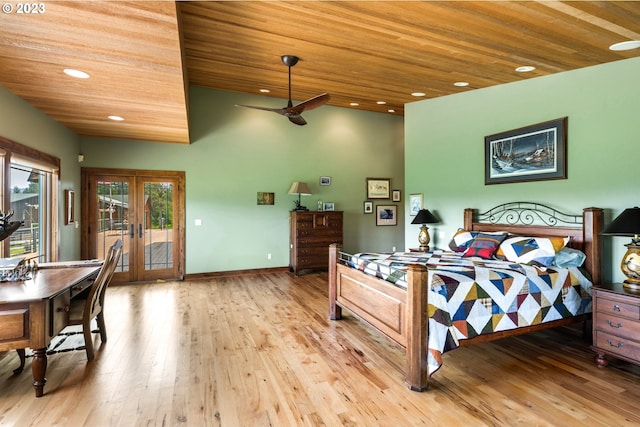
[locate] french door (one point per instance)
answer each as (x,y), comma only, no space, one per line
(143,208)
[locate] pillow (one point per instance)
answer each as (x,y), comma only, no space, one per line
(569,257)
(484,245)
(463,238)
(532,250)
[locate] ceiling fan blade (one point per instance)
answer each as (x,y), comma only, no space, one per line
(274,110)
(297,120)
(310,104)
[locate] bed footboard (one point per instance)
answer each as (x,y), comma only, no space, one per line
(398,313)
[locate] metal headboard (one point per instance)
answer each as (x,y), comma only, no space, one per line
(527,213)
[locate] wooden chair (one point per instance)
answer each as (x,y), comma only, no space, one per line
(83,311)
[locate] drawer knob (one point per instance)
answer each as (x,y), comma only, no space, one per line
(616,307)
(619,345)
(618,325)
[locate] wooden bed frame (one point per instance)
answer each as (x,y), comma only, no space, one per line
(400,313)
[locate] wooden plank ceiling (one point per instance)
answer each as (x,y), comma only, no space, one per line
(142,55)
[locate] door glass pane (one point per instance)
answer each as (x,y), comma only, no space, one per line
(28,203)
(158,225)
(113,219)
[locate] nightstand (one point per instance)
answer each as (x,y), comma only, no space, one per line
(616,323)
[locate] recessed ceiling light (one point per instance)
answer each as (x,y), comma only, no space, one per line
(391,110)
(381,102)
(354,104)
(76,73)
(461,84)
(525,69)
(628,45)
(418,94)
(264,91)
(116,118)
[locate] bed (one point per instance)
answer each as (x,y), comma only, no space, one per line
(401,295)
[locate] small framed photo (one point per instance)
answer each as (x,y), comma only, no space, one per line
(387,215)
(328,206)
(415,203)
(368,207)
(325,180)
(378,188)
(265,198)
(396,196)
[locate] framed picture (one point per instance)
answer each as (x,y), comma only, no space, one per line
(265,198)
(415,204)
(532,153)
(328,206)
(396,196)
(387,215)
(378,188)
(69,206)
(325,180)
(368,207)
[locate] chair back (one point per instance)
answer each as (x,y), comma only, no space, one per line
(95,299)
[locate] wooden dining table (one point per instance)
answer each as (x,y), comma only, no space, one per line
(34,311)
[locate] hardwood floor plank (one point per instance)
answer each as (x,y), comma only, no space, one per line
(259,350)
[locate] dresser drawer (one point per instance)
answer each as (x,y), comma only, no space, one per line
(618,307)
(619,326)
(617,346)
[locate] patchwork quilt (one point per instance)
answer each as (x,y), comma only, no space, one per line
(469,296)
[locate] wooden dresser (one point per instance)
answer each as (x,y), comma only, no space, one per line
(310,235)
(616,324)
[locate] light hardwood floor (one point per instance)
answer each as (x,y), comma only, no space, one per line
(258,350)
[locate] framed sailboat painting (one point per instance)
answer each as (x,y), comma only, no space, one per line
(531,153)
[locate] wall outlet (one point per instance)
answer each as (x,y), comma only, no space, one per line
(441,234)
(393,249)
(198,222)
(269,256)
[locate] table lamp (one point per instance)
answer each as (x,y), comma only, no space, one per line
(301,189)
(628,224)
(424,217)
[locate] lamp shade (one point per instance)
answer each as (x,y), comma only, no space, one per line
(300,188)
(424,216)
(626,224)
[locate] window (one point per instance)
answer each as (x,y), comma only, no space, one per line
(29,192)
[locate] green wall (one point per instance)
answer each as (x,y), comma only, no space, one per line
(22,123)
(238,152)
(444,147)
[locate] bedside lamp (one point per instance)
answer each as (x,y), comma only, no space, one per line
(301,189)
(424,217)
(628,224)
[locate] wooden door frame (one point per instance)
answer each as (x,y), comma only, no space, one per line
(179,223)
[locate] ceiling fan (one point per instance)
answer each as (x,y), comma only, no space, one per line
(290,111)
